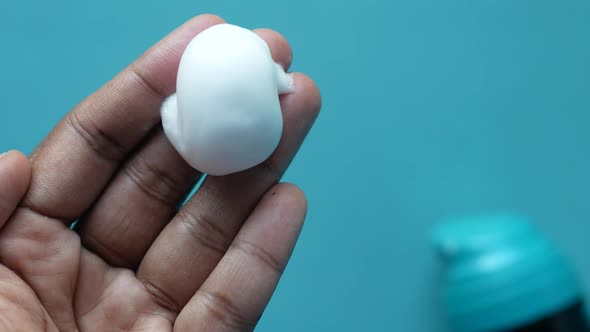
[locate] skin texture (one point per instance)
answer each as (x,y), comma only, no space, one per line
(137,262)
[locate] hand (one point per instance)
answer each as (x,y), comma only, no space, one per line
(135,261)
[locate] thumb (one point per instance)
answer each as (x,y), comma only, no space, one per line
(15,174)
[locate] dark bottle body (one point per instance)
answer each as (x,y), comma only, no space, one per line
(571,319)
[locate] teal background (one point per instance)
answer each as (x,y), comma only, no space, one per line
(431,109)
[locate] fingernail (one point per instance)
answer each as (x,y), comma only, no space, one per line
(3,155)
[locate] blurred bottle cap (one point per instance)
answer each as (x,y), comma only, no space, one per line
(500,272)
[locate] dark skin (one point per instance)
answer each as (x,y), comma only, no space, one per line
(137,262)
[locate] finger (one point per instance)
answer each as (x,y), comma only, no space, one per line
(235,295)
(189,248)
(86,147)
(279,47)
(145,193)
(15,173)
(139,202)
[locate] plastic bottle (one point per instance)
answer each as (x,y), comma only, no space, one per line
(500,274)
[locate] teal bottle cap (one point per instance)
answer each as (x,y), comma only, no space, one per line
(500,272)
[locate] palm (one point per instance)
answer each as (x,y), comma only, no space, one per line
(123,303)
(136,262)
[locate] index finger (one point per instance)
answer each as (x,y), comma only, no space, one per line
(77,159)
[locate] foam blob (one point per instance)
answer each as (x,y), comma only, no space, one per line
(225,116)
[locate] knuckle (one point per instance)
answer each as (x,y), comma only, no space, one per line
(161,298)
(155,182)
(260,254)
(205,231)
(223,309)
(103,144)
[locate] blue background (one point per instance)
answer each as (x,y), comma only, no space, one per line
(432,109)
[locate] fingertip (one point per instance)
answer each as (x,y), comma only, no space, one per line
(15,175)
(300,110)
(18,155)
(207,19)
(291,191)
(290,199)
(196,25)
(308,92)
(279,46)
(16,168)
